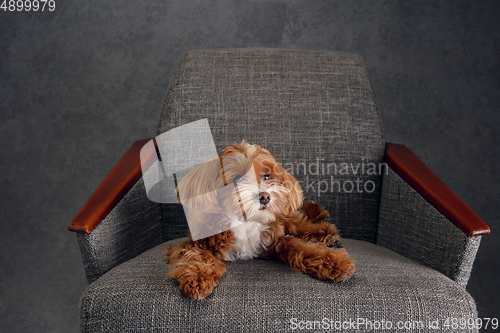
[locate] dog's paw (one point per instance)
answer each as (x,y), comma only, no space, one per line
(315,212)
(324,233)
(198,279)
(330,264)
(344,268)
(327,234)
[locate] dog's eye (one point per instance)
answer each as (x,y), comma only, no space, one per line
(266,176)
(237,179)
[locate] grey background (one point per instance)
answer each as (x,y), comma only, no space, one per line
(80,84)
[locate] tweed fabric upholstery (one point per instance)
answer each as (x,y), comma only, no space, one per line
(306,107)
(132,227)
(174,222)
(411,226)
(264,295)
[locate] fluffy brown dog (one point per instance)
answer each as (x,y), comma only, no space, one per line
(277,224)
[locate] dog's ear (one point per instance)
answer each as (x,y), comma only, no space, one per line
(198,189)
(295,197)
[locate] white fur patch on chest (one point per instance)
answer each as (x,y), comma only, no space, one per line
(248,243)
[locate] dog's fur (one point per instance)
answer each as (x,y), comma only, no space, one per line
(284,228)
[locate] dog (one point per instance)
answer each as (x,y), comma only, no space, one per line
(276,223)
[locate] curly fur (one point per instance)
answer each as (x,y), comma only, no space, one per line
(285,228)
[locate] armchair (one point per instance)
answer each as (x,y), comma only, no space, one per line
(413,240)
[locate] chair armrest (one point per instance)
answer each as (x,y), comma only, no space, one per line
(422,219)
(118,222)
(409,167)
(112,189)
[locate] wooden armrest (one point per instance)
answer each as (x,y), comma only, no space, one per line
(409,167)
(112,189)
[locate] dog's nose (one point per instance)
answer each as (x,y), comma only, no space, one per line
(264,197)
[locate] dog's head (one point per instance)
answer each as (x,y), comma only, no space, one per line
(245,181)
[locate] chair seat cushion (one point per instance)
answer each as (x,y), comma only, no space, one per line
(269,296)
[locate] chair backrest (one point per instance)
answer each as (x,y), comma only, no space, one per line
(314,111)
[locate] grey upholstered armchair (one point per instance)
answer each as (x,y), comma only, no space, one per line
(413,240)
